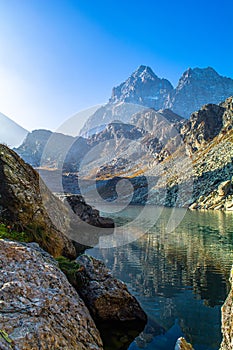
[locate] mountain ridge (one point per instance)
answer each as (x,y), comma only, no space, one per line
(143,88)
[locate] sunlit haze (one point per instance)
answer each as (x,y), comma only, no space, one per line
(60,57)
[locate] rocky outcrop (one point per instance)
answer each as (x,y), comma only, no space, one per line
(32,147)
(87,213)
(61,227)
(39,309)
(117,130)
(224,188)
(203,126)
(154,121)
(22,206)
(181,344)
(107,298)
(227,319)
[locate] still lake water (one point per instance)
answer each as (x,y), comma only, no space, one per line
(180,278)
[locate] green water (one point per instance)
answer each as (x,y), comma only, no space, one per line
(180,278)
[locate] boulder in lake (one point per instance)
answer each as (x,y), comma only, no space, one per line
(107,298)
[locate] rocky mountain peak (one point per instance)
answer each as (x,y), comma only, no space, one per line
(144,72)
(199,75)
(197,87)
(143,87)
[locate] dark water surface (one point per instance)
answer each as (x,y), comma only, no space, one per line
(180,278)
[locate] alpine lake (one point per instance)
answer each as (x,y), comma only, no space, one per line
(179,275)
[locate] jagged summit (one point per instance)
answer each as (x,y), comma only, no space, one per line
(200,71)
(144,72)
(202,74)
(143,87)
(197,87)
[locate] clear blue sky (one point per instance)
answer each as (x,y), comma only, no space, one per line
(58,57)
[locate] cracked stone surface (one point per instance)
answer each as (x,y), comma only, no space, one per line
(39,309)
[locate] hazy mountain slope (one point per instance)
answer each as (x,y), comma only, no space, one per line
(121,111)
(11,133)
(47,149)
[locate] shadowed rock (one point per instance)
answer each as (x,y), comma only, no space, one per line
(107,298)
(22,205)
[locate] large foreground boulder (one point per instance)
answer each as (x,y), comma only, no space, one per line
(39,309)
(22,205)
(61,227)
(107,298)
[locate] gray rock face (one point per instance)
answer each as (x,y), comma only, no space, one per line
(196,88)
(203,126)
(227,320)
(87,213)
(117,130)
(181,344)
(163,124)
(143,87)
(22,207)
(39,309)
(32,147)
(107,298)
(224,188)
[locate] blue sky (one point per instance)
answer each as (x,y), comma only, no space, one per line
(59,57)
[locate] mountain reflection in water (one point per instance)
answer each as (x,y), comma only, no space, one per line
(180,278)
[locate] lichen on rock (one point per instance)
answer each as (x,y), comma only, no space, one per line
(39,309)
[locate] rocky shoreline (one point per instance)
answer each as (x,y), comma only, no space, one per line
(41,310)
(42,307)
